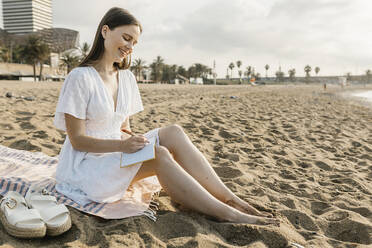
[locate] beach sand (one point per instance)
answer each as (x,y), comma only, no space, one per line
(299,150)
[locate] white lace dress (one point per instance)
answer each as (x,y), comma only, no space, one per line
(83,176)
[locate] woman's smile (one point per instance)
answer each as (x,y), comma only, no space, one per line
(123,52)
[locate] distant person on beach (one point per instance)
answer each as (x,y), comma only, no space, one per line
(95,103)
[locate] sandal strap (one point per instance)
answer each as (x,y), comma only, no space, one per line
(26,215)
(11,200)
(52,212)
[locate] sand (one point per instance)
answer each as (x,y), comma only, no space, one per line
(299,150)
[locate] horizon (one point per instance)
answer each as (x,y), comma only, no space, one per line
(323,33)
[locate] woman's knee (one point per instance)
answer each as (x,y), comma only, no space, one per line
(173,129)
(162,153)
(171,135)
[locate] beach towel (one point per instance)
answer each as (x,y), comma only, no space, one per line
(20,169)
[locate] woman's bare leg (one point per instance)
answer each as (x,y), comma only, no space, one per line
(194,162)
(184,189)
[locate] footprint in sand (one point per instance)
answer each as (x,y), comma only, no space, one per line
(48,146)
(349,230)
(6,126)
(286,174)
(300,219)
(24,145)
(323,165)
(289,203)
(206,130)
(228,172)
(25,113)
(319,208)
(336,215)
(26,118)
(40,134)
(27,125)
(226,135)
(303,164)
(363,211)
(284,161)
(218,120)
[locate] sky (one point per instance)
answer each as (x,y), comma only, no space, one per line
(334,35)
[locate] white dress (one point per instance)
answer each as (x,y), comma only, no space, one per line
(84,176)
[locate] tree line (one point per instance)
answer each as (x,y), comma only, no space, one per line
(36,52)
(166,73)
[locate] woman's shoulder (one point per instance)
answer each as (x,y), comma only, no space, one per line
(80,74)
(127,73)
(129,77)
(80,71)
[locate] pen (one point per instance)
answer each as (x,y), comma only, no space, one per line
(130,133)
(127,131)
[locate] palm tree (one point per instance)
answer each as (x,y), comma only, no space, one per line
(231,66)
(173,72)
(348,76)
(182,71)
(138,66)
(248,71)
(192,72)
(317,69)
(292,74)
(17,54)
(267,68)
(307,70)
(70,61)
(156,68)
(44,54)
(35,51)
(279,75)
(199,69)
(238,64)
(85,48)
(368,74)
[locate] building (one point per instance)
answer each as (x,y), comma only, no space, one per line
(26,16)
(181,80)
(197,80)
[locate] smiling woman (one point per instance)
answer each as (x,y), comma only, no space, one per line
(95,103)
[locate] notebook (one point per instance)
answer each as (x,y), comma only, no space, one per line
(145,154)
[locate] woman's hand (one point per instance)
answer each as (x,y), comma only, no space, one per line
(133,143)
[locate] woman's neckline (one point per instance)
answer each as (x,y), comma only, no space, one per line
(115,105)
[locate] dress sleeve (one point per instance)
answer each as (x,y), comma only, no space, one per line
(136,103)
(73,98)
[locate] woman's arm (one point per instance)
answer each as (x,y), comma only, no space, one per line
(80,141)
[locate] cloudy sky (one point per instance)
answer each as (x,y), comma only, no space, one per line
(335,35)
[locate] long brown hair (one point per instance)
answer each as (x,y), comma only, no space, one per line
(115,17)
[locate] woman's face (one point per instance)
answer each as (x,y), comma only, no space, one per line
(119,42)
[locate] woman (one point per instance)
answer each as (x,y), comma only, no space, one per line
(96,101)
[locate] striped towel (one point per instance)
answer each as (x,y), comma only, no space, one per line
(20,169)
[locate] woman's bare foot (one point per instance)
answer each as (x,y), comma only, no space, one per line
(239,217)
(246,208)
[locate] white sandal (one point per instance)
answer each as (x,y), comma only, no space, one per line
(18,220)
(56,216)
